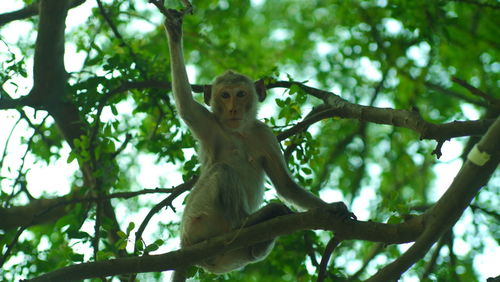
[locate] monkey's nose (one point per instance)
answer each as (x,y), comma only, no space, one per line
(232,111)
(232,108)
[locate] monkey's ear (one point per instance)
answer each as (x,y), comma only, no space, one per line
(207,93)
(260,87)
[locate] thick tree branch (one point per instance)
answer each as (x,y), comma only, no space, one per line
(28,215)
(339,107)
(49,74)
(469,180)
(49,92)
(47,210)
(7,103)
(314,219)
(28,12)
(23,13)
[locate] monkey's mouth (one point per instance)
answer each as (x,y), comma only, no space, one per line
(233,122)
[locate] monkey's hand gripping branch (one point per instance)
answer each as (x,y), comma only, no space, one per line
(339,209)
(173,18)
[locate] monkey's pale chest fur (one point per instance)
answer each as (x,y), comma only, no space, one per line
(230,186)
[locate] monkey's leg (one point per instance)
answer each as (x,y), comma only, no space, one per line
(261,250)
(267,212)
(238,258)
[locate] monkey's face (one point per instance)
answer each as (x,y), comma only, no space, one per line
(235,104)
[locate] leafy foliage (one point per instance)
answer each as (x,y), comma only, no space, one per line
(393,53)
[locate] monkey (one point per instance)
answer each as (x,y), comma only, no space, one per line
(236,152)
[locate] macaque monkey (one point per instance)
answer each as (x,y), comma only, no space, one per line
(236,152)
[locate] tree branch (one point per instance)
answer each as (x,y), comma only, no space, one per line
(330,247)
(166,202)
(47,210)
(339,107)
(319,218)
(469,180)
(7,141)
(480,4)
(28,12)
(7,103)
(477,92)
(23,13)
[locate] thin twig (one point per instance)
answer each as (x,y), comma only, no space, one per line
(128,137)
(480,4)
(330,247)
(166,202)
(476,91)
(4,153)
(10,246)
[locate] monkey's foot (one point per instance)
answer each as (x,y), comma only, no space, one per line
(340,209)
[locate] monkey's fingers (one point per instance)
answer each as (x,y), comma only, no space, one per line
(341,210)
(173,23)
(350,216)
(188,9)
(174,17)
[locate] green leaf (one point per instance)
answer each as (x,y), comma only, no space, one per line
(121,234)
(130,227)
(280,103)
(394,220)
(77,257)
(114,110)
(307,170)
(191,271)
(151,248)
(121,244)
(75,234)
(71,157)
(69,219)
(159,242)
(294,89)
(139,245)
(104,255)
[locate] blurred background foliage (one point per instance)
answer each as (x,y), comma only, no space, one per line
(386,53)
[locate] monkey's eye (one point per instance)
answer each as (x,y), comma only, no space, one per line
(224,95)
(240,93)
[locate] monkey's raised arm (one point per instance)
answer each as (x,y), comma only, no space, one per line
(194,114)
